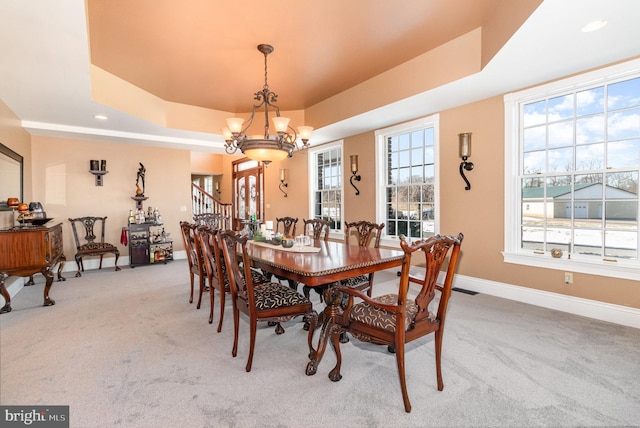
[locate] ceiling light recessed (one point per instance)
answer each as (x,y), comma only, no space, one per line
(594,25)
(100,117)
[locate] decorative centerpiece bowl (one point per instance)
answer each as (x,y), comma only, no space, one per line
(287,243)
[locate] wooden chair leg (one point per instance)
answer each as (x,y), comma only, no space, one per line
(191,294)
(80,267)
(438,346)
(401,374)
(236,322)
(101,256)
(201,282)
(222,302)
(211,302)
(252,342)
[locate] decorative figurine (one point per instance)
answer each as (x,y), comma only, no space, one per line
(141,171)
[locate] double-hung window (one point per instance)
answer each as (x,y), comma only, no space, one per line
(407,196)
(325,164)
(572,168)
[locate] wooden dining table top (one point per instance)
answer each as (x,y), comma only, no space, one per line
(335,261)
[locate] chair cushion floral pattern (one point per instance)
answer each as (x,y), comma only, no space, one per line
(274,295)
(379,318)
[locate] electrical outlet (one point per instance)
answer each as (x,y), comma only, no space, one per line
(568,278)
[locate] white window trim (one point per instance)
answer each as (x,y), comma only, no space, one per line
(381,165)
(512,209)
(313,177)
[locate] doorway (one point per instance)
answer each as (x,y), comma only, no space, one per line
(248,185)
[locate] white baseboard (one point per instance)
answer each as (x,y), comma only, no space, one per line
(108,262)
(616,314)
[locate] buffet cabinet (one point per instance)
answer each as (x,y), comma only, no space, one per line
(27,250)
(147,245)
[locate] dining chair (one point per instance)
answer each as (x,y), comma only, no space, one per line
(270,301)
(289,230)
(396,319)
(212,220)
(194,259)
(90,244)
(317,228)
(216,276)
(288,226)
(364,232)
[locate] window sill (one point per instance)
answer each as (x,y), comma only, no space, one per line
(619,269)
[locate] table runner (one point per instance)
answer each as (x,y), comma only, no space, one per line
(294,249)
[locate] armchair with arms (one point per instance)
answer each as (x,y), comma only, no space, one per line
(396,319)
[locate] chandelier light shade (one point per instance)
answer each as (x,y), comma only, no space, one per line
(267,147)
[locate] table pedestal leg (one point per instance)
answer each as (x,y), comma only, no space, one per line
(331,311)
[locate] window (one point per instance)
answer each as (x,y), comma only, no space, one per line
(326,184)
(572,169)
(407,201)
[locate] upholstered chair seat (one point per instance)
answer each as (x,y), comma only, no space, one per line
(275,295)
(379,318)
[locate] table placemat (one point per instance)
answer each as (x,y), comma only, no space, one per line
(294,249)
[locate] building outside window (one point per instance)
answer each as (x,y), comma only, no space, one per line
(407,201)
(573,163)
(326,184)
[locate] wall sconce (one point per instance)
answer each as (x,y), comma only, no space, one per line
(218,188)
(98,169)
(464,150)
(354,172)
(283,173)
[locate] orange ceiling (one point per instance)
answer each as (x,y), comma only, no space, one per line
(203,52)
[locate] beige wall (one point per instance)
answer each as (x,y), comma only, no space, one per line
(17,139)
(63,184)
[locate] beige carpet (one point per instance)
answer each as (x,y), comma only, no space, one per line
(127,349)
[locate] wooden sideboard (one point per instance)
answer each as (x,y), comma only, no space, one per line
(25,251)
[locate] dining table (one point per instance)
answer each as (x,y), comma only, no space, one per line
(320,263)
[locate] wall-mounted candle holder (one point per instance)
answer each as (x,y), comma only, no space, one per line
(464,150)
(354,172)
(283,173)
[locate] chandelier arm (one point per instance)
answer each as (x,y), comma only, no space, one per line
(278,142)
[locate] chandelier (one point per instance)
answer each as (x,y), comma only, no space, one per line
(267,147)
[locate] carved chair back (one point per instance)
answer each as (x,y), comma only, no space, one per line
(317,228)
(364,232)
(212,220)
(87,233)
(288,226)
